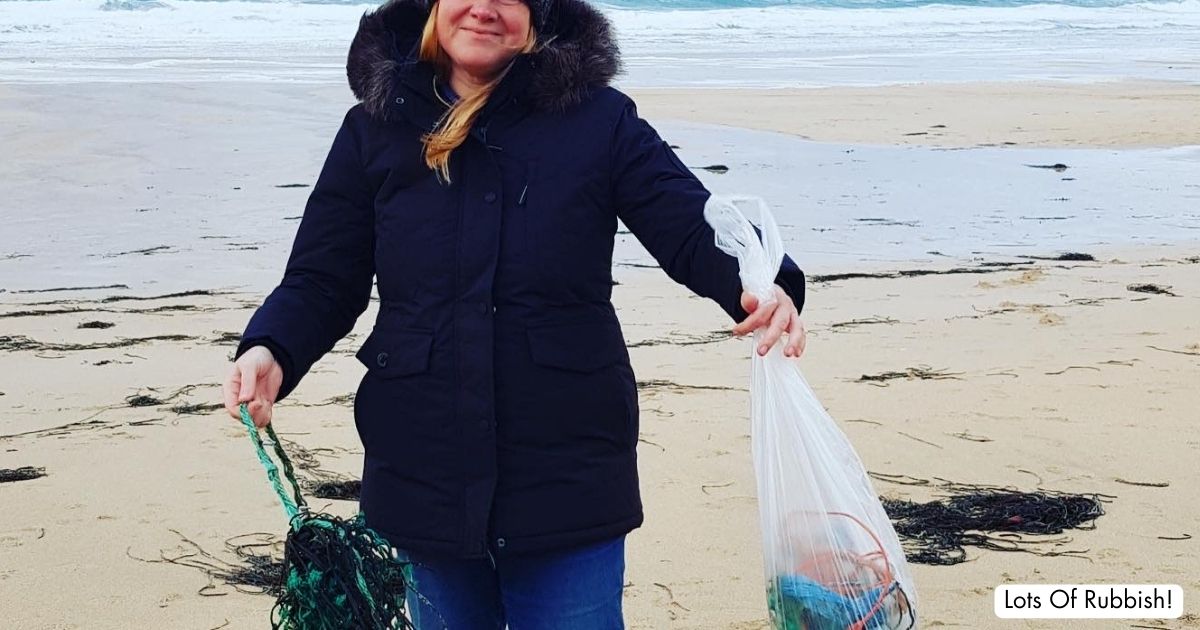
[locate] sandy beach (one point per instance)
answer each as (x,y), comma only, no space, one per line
(1118,114)
(1049,374)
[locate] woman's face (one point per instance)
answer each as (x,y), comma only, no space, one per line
(482,36)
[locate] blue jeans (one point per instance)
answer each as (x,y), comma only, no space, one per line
(574,589)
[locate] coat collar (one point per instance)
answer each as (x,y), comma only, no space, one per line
(579,55)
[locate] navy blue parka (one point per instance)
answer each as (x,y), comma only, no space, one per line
(499,410)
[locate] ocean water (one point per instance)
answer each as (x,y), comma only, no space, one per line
(758,43)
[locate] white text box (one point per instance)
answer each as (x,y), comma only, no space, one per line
(1089,601)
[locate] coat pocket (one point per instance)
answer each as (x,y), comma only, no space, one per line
(581,391)
(395,353)
(577,347)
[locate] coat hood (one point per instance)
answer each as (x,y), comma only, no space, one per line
(578,54)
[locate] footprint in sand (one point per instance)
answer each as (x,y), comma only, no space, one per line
(1050,319)
(1027,277)
(1046,317)
(1033,275)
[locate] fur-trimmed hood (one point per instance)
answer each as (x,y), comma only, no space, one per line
(581,54)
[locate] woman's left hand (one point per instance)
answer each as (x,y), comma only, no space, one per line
(777,317)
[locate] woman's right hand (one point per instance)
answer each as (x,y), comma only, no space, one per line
(255,378)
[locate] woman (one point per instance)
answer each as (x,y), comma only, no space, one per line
(480,179)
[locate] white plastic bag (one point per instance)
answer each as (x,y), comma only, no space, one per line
(833,561)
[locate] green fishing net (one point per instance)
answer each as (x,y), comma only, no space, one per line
(338,574)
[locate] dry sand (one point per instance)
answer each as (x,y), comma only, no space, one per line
(1064,379)
(1117,114)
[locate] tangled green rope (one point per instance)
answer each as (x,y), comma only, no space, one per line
(338,574)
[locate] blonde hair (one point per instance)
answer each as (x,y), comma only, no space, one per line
(451,130)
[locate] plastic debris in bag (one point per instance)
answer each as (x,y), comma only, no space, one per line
(833,560)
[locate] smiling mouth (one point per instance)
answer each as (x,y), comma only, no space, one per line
(478,32)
